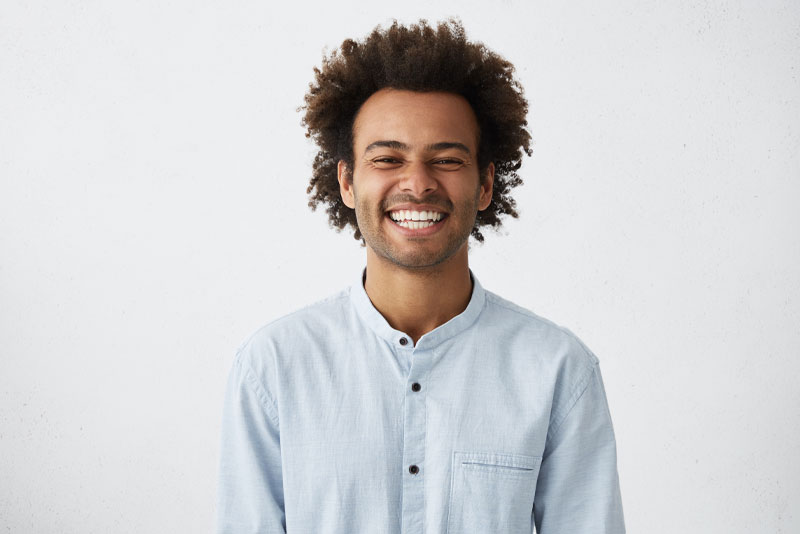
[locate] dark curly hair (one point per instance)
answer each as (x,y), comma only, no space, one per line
(416,58)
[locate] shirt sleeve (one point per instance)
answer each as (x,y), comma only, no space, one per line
(250,486)
(578,487)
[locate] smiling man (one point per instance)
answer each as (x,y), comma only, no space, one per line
(415,401)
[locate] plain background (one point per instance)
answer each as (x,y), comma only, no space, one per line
(153,214)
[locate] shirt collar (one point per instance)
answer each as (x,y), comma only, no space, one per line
(377,322)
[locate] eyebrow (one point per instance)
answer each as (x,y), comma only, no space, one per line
(397,145)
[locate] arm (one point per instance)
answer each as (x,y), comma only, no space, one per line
(250,490)
(578,487)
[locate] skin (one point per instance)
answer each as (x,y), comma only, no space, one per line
(416,282)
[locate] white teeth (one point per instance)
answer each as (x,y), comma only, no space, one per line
(415,225)
(409,215)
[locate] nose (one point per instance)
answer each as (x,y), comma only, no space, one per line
(418,180)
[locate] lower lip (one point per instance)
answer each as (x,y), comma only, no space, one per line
(418,232)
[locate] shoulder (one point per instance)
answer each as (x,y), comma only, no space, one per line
(563,361)
(557,341)
(319,314)
(292,332)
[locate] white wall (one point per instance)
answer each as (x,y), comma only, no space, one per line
(153,213)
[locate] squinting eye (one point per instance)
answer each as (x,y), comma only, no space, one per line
(385,160)
(449,161)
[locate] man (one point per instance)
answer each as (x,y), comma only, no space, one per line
(415,401)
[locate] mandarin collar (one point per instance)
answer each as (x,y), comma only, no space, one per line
(377,322)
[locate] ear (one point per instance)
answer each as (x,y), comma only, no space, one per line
(345,177)
(487,183)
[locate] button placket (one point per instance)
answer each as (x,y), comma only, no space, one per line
(414,436)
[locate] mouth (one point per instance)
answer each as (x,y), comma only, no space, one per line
(416,223)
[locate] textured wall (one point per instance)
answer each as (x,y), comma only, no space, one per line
(153,214)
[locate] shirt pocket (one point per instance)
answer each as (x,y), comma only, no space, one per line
(492,492)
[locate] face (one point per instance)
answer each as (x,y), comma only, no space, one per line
(415,185)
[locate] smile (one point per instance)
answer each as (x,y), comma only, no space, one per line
(417,220)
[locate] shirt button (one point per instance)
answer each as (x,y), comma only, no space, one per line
(415,386)
(413,469)
(403,341)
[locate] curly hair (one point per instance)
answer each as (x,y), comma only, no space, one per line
(416,58)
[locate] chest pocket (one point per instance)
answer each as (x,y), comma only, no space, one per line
(492,492)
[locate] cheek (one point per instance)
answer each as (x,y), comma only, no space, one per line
(370,197)
(464,193)
(367,207)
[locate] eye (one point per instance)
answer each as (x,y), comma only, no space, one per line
(448,162)
(385,161)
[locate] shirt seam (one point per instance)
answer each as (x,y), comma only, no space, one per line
(580,389)
(260,391)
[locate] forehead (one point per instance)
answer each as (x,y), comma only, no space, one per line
(416,119)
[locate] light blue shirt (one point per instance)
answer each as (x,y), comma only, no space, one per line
(335,422)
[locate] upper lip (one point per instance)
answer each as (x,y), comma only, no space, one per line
(416,207)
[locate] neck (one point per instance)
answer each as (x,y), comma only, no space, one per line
(416,301)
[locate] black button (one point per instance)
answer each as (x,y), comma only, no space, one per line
(403,341)
(413,469)
(415,386)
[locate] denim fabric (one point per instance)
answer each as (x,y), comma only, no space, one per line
(335,422)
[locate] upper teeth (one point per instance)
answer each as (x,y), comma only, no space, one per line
(408,215)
